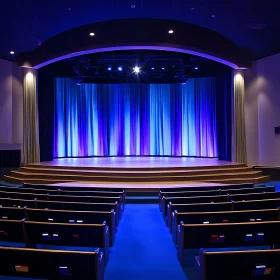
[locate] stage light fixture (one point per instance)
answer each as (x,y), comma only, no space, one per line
(91,34)
(120,68)
(152,68)
(109,68)
(12,52)
(195,68)
(136,69)
(171,31)
(162,68)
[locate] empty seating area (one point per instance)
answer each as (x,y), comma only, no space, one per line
(235,231)
(70,231)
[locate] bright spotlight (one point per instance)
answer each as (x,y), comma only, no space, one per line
(91,34)
(152,68)
(109,68)
(195,68)
(170,31)
(120,68)
(136,69)
(162,68)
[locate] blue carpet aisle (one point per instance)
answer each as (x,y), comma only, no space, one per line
(143,248)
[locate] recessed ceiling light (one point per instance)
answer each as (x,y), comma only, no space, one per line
(213,16)
(170,31)
(120,68)
(91,34)
(136,69)
(162,68)
(12,52)
(195,68)
(152,68)
(132,6)
(192,9)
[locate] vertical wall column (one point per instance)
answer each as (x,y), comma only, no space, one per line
(239,131)
(30,146)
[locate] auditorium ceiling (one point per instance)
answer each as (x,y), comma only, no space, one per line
(250,24)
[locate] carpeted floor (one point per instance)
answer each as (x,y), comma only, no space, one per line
(143,248)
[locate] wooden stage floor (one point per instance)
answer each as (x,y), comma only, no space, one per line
(137,162)
(136,172)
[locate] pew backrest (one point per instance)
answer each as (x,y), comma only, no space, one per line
(222,217)
(227,235)
(243,265)
(51,264)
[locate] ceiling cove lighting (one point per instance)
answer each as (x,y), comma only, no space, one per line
(12,52)
(136,69)
(91,34)
(171,31)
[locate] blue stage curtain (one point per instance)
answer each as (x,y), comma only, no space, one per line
(136,119)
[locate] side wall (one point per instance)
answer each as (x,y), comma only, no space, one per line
(262,107)
(11,105)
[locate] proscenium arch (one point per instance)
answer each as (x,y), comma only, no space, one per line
(152,34)
(126,48)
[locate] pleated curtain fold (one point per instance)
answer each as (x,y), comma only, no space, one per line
(30,145)
(239,119)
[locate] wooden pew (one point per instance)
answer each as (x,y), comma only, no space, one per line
(66,198)
(79,206)
(68,188)
(59,234)
(222,217)
(254,196)
(215,207)
(239,265)
(61,216)
(12,202)
(57,191)
(12,231)
(196,236)
(250,190)
(51,264)
(12,213)
(216,192)
(208,188)
(59,205)
(65,234)
(198,207)
(189,200)
(66,216)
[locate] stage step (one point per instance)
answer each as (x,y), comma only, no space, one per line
(139,178)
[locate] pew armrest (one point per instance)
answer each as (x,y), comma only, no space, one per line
(198,269)
(180,243)
(100,266)
(174,227)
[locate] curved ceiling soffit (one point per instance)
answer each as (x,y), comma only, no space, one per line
(133,34)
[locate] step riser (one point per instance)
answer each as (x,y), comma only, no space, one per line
(150,175)
(136,179)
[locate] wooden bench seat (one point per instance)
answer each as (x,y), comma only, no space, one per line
(51,264)
(60,205)
(62,216)
(195,236)
(57,191)
(56,234)
(90,199)
(208,188)
(215,192)
(222,217)
(220,198)
(218,207)
(238,265)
